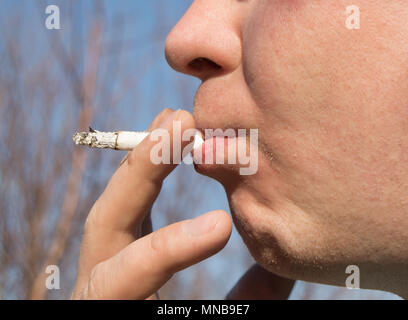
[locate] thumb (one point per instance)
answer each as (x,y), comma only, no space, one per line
(144,266)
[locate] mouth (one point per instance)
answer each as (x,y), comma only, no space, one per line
(225,128)
(224,152)
(215,143)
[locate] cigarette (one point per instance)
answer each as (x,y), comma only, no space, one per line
(118,140)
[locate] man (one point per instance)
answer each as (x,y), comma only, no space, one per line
(330,104)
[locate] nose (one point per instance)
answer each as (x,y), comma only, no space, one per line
(206,42)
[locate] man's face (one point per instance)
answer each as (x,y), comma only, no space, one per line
(331,106)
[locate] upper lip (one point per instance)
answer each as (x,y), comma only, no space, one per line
(217,132)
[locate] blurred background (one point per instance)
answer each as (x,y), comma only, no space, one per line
(104,68)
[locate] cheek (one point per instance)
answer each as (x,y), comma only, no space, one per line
(333,100)
(303,66)
(289,47)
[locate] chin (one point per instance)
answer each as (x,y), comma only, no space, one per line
(279,235)
(285,249)
(262,230)
(285,241)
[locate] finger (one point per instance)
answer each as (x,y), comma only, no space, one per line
(147,226)
(160,118)
(135,185)
(155,124)
(117,215)
(145,265)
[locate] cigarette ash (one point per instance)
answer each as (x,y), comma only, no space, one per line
(96,139)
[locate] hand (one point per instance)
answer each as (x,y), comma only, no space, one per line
(117,261)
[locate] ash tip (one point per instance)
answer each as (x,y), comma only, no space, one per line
(79,137)
(95,139)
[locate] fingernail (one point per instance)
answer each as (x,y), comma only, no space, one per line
(168,122)
(201,225)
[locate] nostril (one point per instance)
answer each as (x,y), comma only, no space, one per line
(203,64)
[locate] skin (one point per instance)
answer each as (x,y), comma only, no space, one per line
(331,108)
(120,258)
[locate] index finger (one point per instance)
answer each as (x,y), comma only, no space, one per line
(117,214)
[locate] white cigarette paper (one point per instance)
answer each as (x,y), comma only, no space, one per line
(119,140)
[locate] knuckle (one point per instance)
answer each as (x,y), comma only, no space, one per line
(160,251)
(158,242)
(93,289)
(162,247)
